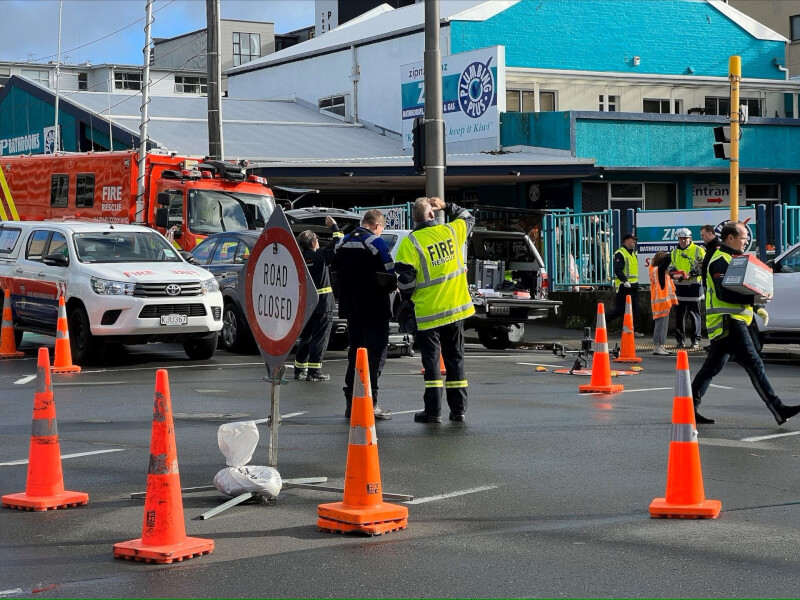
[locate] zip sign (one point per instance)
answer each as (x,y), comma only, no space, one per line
(279,294)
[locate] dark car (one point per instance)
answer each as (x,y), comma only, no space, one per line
(226,253)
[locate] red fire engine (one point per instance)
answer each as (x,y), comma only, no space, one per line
(184,198)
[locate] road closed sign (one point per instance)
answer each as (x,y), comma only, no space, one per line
(279,294)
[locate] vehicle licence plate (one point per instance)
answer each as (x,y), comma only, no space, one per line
(174,319)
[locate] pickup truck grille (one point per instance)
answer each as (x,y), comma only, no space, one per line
(159,290)
(154,311)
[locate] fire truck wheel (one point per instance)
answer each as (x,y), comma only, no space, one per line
(84,346)
(201,348)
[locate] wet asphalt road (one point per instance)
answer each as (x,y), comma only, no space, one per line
(542,492)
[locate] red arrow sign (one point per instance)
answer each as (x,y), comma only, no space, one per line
(715,200)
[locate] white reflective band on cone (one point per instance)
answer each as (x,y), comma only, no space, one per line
(683,433)
(360,392)
(601,321)
(601,347)
(359,437)
(683,386)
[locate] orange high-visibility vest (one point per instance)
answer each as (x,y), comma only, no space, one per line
(661,299)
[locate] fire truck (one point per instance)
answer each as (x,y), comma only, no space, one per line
(184,198)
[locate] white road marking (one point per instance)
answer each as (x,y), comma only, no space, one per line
(287,416)
(85,383)
(759,438)
(25,461)
(722,387)
(211,391)
(23,381)
(542,365)
(5,593)
(450,495)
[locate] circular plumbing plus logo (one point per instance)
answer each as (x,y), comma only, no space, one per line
(476,89)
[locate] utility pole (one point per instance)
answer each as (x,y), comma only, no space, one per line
(139,217)
(735,76)
(214,77)
(57,141)
(434,122)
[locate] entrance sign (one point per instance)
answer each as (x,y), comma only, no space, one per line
(709,195)
(279,294)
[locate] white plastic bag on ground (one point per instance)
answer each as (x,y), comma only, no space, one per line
(238,441)
(235,481)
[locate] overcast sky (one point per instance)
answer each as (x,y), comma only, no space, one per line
(29,28)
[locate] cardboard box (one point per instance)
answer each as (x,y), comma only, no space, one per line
(748,275)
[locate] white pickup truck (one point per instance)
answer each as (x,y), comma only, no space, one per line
(122,284)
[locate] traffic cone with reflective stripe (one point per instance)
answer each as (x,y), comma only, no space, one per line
(362,509)
(45,486)
(685,497)
(62,363)
(601,362)
(8,347)
(627,349)
(164,537)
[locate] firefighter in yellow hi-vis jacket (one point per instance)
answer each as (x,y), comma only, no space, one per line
(431,272)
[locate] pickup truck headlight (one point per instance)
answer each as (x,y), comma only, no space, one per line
(112,288)
(210,285)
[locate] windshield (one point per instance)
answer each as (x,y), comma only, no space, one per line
(124,246)
(212,211)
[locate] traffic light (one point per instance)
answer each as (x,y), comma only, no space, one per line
(722,142)
(418,145)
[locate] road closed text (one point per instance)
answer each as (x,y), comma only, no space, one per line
(274,302)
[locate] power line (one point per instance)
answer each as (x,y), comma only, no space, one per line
(105,36)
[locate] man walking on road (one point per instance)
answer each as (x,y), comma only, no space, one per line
(728,315)
(685,271)
(365,273)
(626,281)
(432,273)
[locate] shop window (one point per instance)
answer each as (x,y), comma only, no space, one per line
(721,106)
(5,75)
(547,101)
(794,23)
(523,101)
(83,81)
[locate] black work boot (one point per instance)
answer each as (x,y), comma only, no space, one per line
(700,419)
(781,412)
(423,417)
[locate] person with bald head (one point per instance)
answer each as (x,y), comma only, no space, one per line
(431,272)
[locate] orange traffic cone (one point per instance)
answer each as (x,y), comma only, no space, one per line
(8,347)
(627,350)
(362,508)
(685,498)
(62,363)
(601,362)
(45,486)
(442,370)
(164,537)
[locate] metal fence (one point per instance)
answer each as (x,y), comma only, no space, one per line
(791,225)
(579,247)
(398,216)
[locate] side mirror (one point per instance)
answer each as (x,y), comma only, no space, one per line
(162,198)
(177,233)
(162,218)
(189,257)
(56,259)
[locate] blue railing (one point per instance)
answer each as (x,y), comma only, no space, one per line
(579,248)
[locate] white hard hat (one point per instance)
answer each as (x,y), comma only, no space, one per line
(684,232)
